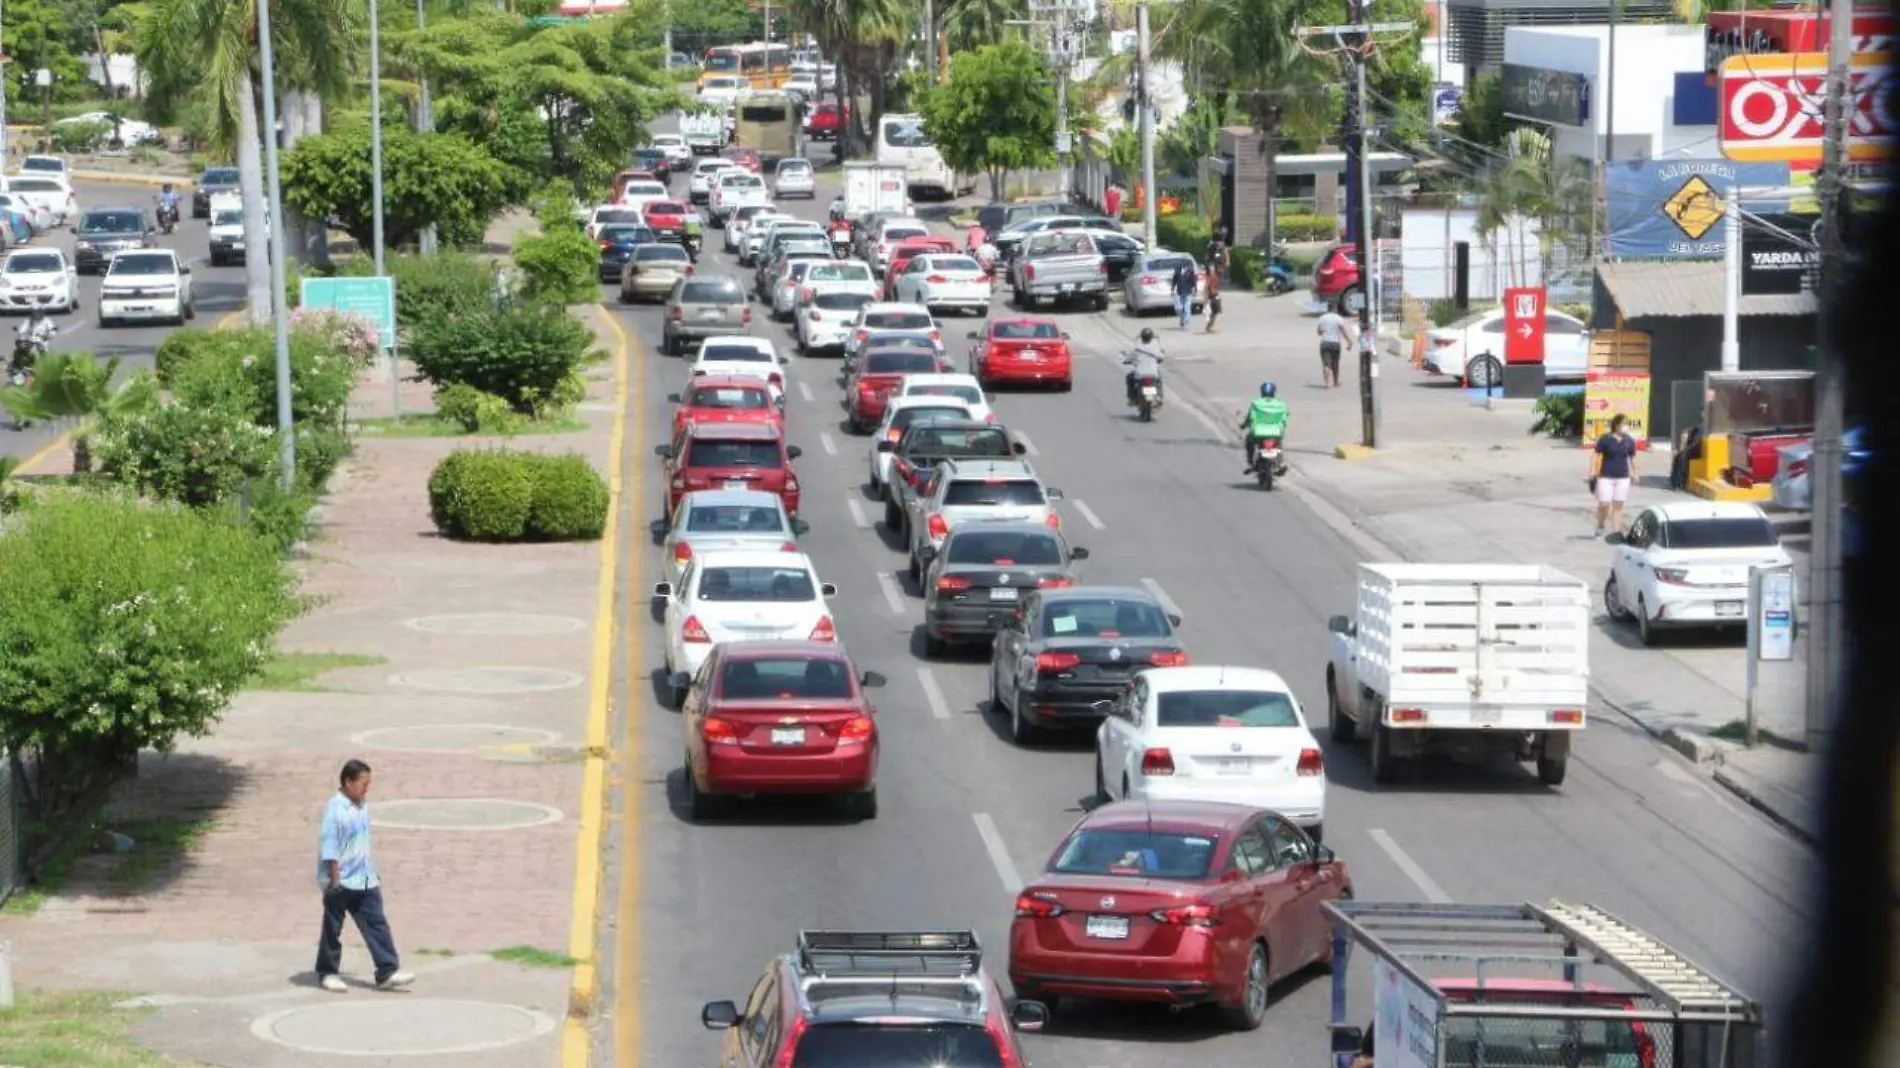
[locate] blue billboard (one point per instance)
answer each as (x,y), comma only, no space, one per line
(1674,208)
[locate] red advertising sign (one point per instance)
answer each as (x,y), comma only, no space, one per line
(1768,33)
(1773,107)
(1524,325)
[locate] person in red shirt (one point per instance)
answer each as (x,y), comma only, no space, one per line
(1112,202)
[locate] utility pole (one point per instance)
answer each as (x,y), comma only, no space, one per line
(425,123)
(930,39)
(1144,100)
(1066,184)
(5,61)
(279,302)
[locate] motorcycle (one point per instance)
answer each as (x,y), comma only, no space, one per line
(1269,461)
(1279,271)
(986,259)
(841,240)
(693,242)
(167,218)
(1147,397)
(26,352)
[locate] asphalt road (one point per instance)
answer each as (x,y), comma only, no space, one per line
(966,814)
(218,291)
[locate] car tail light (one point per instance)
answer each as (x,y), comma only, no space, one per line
(989,417)
(1038,906)
(1169,658)
(824,631)
(1157,762)
(1311,763)
(1029,271)
(776,379)
(1675,576)
(804,293)
(682,552)
(936,336)
(689,270)
(938,527)
(952,584)
(676,313)
(605,245)
(714,729)
(694,632)
(814,316)
(862,334)
(936,279)
(1797,468)
(1187,916)
(1054,583)
(745,314)
(1052,521)
(857,729)
(1101,266)
(1444,342)
(893,434)
(1005,1045)
(789,1050)
(1567,715)
(1148,280)
(1408,715)
(1051,663)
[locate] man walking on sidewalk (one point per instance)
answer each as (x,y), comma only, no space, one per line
(1332,333)
(1184,282)
(346,874)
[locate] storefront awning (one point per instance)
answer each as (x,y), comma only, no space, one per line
(1681,289)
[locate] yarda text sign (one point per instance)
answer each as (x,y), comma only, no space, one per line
(1779,255)
(1773,107)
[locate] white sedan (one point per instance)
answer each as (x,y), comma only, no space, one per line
(745,356)
(638,194)
(899,414)
(742,595)
(39,215)
(612,215)
(960,387)
(824,321)
(741,222)
(793,178)
(38,278)
(735,188)
(786,289)
(947,282)
(1230,734)
(1473,348)
(1685,565)
(674,147)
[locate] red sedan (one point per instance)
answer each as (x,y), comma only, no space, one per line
(1176,902)
(779,717)
(1023,350)
(725,399)
(730,456)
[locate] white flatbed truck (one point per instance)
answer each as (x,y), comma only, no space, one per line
(1464,658)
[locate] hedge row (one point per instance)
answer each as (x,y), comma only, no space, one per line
(508,495)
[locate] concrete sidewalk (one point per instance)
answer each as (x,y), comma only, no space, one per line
(469,699)
(1456,481)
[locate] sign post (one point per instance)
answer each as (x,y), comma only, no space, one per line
(1523,376)
(1770,611)
(372,300)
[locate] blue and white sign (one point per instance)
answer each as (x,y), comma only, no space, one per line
(1445,100)
(372,300)
(1773,589)
(1675,208)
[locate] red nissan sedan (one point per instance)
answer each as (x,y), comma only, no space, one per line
(730,456)
(1176,902)
(725,399)
(779,717)
(1022,349)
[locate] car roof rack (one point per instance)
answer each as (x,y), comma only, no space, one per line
(888,954)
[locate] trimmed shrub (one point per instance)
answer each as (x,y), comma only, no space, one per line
(560,267)
(481,495)
(279,517)
(570,498)
(1183,232)
(447,283)
(195,456)
(181,346)
(322,376)
(566,396)
(1296,227)
(522,355)
(320,451)
(216,378)
(81,136)
(1559,415)
(1247,267)
(474,411)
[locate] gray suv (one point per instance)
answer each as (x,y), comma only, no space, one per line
(965,491)
(973,584)
(104,231)
(703,307)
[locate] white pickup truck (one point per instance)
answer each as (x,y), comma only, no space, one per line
(1465,658)
(704,131)
(145,285)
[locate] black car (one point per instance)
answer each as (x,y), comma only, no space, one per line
(617,242)
(973,584)
(652,159)
(213,181)
(995,217)
(1120,252)
(101,232)
(1068,652)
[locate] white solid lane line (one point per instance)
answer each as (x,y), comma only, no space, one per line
(1029,447)
(933,693)
(858,518)
(1430,888)
(804,393)
(893,594)
(1161,595)
(831,447)
(999,853)
(1088,514)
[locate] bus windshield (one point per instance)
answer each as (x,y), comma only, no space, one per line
(770,111)
(722,61)
(906,133)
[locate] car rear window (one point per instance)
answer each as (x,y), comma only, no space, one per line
(1108,617)
(954,263)
(757,584)
(718,353)
(220,176)
(899,233)
(666,207)
(958,444)
(34,185)
(994,491)
(841,272)
(734,519)
(1025,332)
(1143,852)
(902,418)
(1751,532)
(712,291)
(803,243)
(786,678)
(883,1045)
(967,394)
(717,453)
(660,254)
(842,301)
(621,234)
(1003,547)
(898,320)
(43,163)
(616,215)
(1168,264)
(732,397)
(890,363)
(1225,708)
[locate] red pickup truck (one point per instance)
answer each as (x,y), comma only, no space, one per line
(823,121)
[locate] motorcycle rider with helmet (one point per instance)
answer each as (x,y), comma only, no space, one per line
(1265,418)
(29,341)
(168,205)
(1145,359)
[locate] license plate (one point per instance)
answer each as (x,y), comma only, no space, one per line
(1150,392)
(788,736)
(1068,287)
(237,246)
(1234,766)
(1487,715)
(737,484)
(1106,927)
(1728,608)
(1003,593)
(710,313)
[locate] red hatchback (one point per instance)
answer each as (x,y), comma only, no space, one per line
(909,249)
(876,375)
(1022,349)
(725,399)
(666,218)
(730,456)
(778,717)
(1176,902)
(1336,279)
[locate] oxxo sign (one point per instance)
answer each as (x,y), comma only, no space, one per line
(1772,107)
(1772,33)
(1524,325)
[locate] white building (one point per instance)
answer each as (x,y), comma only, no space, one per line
(1648,58)
(1497,261)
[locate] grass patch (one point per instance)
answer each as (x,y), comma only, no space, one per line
(427,426)
(58,866)
(299,672)
(534,957)
(75,1029)
(428,952)
(157,844)
(1736,730)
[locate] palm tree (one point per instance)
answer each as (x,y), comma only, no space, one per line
(1533,183)
(863,37)
(969,24)
(76,385)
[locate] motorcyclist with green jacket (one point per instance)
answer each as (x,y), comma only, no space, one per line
(1265,418)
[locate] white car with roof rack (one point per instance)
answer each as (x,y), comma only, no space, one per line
(742,595)
(700,186)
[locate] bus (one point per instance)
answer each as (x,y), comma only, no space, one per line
(765,66)
(767,123)
(901,141)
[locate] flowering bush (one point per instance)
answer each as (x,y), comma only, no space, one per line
(196,456)
(354,338)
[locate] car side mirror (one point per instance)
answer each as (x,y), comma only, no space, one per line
(1174,620)
(794,451)
(872,680)
(664,452)
(1052,493)
(972,335)
(1323,854)
(887,446)
(663,589)
(800,527)
(672,398)
(184,270)
(1348,1039)
(680,680)
(1342,625)
(657,528)
(1029,1015)
(1078,553)
(926,553)
(1018,448)
(1618,539)
(1065,335)
(826,589)
(719,1016)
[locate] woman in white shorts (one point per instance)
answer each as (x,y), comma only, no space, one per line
(1612,469)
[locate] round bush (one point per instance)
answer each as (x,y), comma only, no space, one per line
(570,498)
(481,495)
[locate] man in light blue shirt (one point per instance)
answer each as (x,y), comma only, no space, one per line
(346,874)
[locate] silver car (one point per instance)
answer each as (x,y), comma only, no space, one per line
(965,491)
(973,584)
(719,520)
(1149,287)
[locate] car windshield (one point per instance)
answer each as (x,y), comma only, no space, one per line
(810,678)
(220,176)
(1225,708)
(1138,852)
(228,218)
(34,263)
(902,418)
(644,189)
(891,363)
(958,443)
(1108,617)
(143,263)
(660,254)
(1740,532)
(967,394)
(43,163)
(842,301)
(112,222)
(717,453)
(898,320)
(757,584)
(993,491)
(884,1045)
(1003,547)
(1025,332)
(841,272)
(715,352)
(905,133)
(902,233)
(712,291)
(734,519)
(728,398)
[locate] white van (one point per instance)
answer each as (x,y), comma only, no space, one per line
(901,140)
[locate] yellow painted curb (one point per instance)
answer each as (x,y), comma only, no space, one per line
(1350,451)
(229,319)
(116,178)
(65,438)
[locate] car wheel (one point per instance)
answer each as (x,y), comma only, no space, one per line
(1485,372)
(935,647)
(1344,731)
(1550,770)
(1351,300)
(916,570)
(1101,780)
(191,312)
(1248,1013)
(891,516)
(1021,731)
(1645,629)
(1385,766)
(1613,601)
(700,805)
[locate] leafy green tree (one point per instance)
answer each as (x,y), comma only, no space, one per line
(429,179)
(700,24)
(1480,118)
(969,24)
(996,114)
(40,33)
(865,38)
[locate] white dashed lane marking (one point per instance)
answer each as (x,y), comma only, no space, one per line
(893,595)
(1161,595)
(804,393)
(831,447)
(933,693)
(1413,871)
(1088,514)
(858,518)
(999,853)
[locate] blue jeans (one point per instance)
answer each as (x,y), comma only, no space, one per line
(366,908)
(1183,307)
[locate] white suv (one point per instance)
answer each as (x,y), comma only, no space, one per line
(145,285)
(734,189)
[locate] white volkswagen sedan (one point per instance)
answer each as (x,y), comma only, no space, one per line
(745,356)
(899,414)
(1685,566)
(945,282)
(38,278)
(700,186)
(824,322)
(959,387)
(1230,734)
(742,596)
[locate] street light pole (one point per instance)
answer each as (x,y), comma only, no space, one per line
(376,137)
(1143,101)
(280,312)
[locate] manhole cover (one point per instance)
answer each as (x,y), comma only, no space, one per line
(450,737)
(489,680)
(460,814)
(399,1025)
(496,623)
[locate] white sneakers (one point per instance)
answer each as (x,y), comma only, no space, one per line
(394,981)
(335,984)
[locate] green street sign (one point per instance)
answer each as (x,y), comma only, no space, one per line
(555,20)
(372,300)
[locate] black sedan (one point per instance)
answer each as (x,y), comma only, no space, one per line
(617,242)
(213,181)
(974,583)
(1068,652)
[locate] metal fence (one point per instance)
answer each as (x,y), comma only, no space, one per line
(1522,1042)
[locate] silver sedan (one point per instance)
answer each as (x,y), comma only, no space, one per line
(1149,286)
(718,520)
